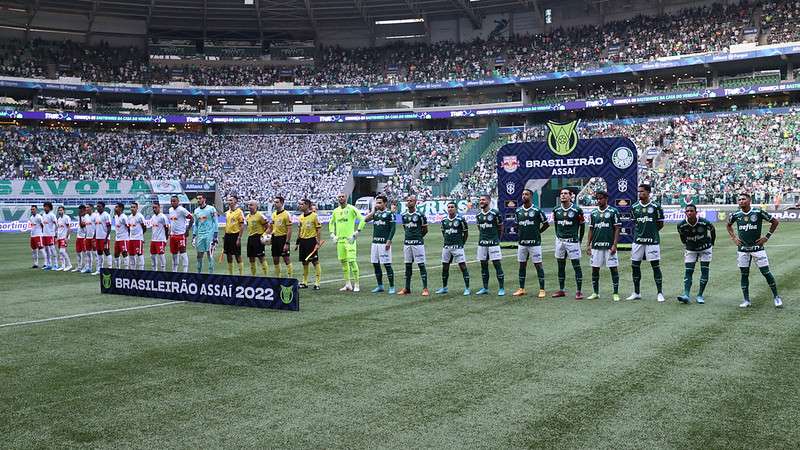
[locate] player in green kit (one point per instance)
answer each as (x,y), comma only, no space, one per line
(570,226)
(384,227)
(649,219)
(205,231)
(490,228)
(750,245)
(601,245)
(454,234)
(531,223)
(698,236)
(415,226)
(344,232)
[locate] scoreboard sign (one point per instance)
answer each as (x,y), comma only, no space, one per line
(255,292)
(531,165)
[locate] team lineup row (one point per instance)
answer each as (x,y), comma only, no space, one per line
(698,236)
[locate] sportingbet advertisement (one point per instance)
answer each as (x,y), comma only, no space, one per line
(565,159)
(255,292)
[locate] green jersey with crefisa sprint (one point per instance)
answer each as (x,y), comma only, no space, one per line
(488,227)
(697,235)
(383,227)
(529,222)
(453,232)
(568,222)
(748,227)
(604,223)
(646,218)
(412,225)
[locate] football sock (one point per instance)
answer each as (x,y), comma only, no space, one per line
(241,267)
(253,268)
(162,259)
(770,280)
(389,274)
(345,271)
(745,282)
(596,280)
(498,270)
(354,272)
(445,273)
(290,270)
(199,263)
(264,267)
(230,268)
(540,275)
(35,256)
(153,262)
(185,259)
(636,269)
(276,271)
(523,272)
(175,262)
(465,274)
(705,268)
(318,273)
(423,273)
(576,265)
(656,265)
(562,273)
(211,264)
(485,274)
(615,279)
(687,277)
(408,276)
(305,274)
(378,273)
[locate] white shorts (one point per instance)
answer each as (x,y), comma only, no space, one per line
(691,256)
(566,249)
(379,255)
(602,258)
(649,252)
(453,255)
(532,253)
(414,254)
(491,253)
(760,257)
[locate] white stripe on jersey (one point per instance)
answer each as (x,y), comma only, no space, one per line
(63,226)
(158,226)
(121,227)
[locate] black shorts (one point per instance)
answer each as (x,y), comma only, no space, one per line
(229,245)
(306,247)
(255,249)
(277,246)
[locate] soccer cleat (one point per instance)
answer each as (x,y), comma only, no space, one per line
(778,302)
(634,296)
(96,273)
(46,268)
(34,266)
(316,287)
(441,290)
(87,270)
(426,292)
(303,286)
(594,296)
(660,297)
(356,288)
(684,299)
(482,291)
(542,293)
(403,291)
(77,269)
(519,293)
(745,304)
(467,292)
(391,290)
(579,295)
(67,269)
(559,293)
(615,297)
(378,288)
(700,300)
(346,287)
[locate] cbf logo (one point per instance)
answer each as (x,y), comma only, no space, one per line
(511,188)
(563,137)
(622,185)
(510,163)
(286,294)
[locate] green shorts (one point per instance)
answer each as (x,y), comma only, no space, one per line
(346,250)
(203,243)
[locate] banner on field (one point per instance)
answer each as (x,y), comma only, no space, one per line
(606,162)
(254,292)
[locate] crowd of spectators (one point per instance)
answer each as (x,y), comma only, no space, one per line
(258,167)
(639,39)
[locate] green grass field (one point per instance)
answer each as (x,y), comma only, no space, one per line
(364,370)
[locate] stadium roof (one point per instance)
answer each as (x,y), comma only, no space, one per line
(298,19)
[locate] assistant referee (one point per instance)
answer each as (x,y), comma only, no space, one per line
(256,227)
(232,242)
(308,242)
(281,230)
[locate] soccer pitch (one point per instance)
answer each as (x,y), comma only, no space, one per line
(373,370)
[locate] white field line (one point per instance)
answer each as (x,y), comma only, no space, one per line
(94,313)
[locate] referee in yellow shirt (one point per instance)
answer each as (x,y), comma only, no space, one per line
(232,243)
(256,226)
(308,241)
(281,231)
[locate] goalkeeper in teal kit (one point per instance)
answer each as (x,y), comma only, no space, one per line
(205,231)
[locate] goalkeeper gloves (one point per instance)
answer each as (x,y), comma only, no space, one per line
(353,237)
(194,242)
(333,237)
